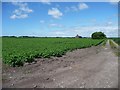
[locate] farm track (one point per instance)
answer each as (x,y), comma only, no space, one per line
(94,67)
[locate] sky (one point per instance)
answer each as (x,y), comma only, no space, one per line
(59,19)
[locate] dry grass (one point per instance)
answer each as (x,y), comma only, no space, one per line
(115,47)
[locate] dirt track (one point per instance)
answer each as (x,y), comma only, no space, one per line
(94,67)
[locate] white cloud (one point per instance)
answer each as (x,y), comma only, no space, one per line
(55,13)
(18,17)
(55,25)
(114,2)
(82,6)
(42,21)
(13,16)
(72,8)
(86,31)
(59,33)
(46,2)
(26,9)
(22,11)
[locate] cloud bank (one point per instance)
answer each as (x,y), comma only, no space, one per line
(22,11)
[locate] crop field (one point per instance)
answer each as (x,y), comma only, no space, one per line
(17,51)
(117,40)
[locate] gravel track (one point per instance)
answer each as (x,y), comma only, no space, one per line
(94,67)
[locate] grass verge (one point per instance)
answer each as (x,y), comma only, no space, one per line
(115,47)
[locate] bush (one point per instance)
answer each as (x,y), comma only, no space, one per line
(98,35)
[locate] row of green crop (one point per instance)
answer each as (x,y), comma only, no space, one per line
(17,51)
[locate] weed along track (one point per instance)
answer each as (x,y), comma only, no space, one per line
(75,69)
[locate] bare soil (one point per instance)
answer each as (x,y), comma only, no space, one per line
(94,67)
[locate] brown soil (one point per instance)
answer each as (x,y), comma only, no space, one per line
(94,67)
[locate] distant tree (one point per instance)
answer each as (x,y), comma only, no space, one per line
(23,36)
(98,35)
(10,36)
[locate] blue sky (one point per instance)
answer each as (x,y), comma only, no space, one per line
(59,18)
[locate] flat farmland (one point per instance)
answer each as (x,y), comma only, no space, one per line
(76,69)
(17,51)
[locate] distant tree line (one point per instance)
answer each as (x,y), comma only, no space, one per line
(20,36)
(95,35)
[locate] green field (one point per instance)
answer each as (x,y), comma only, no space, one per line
(117,40)
(17,51)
